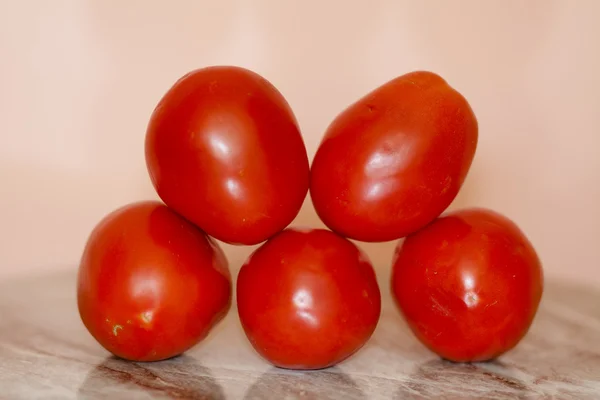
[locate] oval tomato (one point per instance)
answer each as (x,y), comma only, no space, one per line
(224,150)
(393,161)
(308,299)
(469,285)
(151,285)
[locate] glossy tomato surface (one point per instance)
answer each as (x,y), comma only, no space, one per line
(393,161)
(224,150)
(308,299)
(151,285)
(469,284)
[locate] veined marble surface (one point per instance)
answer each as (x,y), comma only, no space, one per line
(46,353)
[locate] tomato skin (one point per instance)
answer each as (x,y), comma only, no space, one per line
(308,299)
(224,150)
(393,161)
(151,285)
(469,285)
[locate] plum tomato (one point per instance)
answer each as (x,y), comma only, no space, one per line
(224,150)
(469,284)
(394,161)
(151,285)
(308,299)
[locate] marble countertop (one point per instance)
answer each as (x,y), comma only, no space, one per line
(45,352)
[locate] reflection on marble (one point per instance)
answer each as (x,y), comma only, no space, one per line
(180,378)
(323,385)
(46,353)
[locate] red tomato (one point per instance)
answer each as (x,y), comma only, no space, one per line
(308,299)
(393,161)
(151,285)
(224,150)
(469,285)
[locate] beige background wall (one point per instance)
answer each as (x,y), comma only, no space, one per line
(79,79)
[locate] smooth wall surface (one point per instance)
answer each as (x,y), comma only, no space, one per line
(79,79)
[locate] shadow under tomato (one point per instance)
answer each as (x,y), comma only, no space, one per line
(440,378)
(179,377)
(325,384)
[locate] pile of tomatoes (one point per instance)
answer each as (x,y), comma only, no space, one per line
(226,156)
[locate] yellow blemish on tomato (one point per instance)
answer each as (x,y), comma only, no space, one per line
(116,329)
(146,316)
(447,183)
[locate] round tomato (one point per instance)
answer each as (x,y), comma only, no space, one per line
(393,161)
(469,285)
(224,150)
(308,299)
(151,285)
